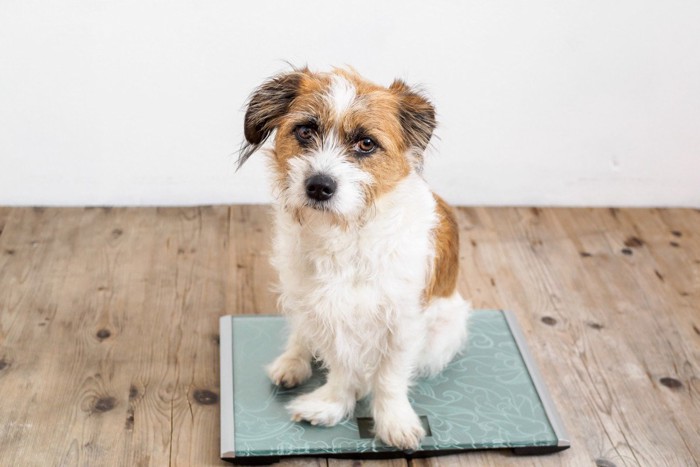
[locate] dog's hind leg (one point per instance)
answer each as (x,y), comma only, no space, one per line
(446,333)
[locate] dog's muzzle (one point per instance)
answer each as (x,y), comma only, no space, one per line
(320,187)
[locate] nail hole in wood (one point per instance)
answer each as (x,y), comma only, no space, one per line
(634,242)
(549,321)
(671,383)
(205,397)
(129,424)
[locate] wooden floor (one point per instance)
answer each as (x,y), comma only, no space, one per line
(109,320)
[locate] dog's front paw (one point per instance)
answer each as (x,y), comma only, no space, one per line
(319,408)
(401,429)
(289,370)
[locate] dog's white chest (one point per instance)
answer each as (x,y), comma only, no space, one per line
(360,272)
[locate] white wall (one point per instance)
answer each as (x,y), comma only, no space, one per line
(540,102)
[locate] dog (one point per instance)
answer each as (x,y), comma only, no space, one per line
(367,254)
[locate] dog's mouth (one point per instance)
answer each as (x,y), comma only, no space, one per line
(323,206)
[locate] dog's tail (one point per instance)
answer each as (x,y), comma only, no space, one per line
(446,321)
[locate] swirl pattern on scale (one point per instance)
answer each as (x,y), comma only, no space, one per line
(484,399)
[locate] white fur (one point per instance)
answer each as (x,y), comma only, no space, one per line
(353,295)
(341,95)
(330,160)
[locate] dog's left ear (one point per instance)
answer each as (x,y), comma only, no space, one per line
(266,105)
(416,114)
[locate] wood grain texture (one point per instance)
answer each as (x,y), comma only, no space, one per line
(109,328)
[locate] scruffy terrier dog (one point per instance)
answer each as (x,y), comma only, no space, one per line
(367,255)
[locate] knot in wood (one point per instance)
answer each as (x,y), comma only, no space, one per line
(104,404)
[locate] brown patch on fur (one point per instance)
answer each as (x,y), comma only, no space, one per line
(443,277)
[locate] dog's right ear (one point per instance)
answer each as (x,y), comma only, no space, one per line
(266,105)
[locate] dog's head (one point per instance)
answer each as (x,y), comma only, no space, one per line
(341,141)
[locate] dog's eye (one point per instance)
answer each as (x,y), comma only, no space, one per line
(365,146)
(304,133)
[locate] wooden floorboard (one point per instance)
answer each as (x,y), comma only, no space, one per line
(109,322)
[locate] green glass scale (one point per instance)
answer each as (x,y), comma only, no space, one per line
(489,397)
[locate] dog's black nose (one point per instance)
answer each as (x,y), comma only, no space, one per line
(320,187)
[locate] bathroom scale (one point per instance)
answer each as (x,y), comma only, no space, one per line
(491,396)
